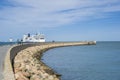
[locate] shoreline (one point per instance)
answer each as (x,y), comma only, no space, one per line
(28,64)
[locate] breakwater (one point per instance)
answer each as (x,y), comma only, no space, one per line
(25,64)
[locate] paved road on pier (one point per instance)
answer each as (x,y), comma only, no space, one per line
(3,51)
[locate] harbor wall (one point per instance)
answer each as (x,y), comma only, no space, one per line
(34,51)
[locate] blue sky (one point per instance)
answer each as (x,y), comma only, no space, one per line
(61,20)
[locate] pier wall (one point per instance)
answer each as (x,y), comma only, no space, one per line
(11,63)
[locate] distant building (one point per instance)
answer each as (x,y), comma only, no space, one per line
(34,38)
(10,40)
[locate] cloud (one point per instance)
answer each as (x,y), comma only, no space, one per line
(53,13)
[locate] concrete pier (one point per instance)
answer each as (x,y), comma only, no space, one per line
(3,51)
(22,53)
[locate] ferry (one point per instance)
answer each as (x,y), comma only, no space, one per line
(34,38)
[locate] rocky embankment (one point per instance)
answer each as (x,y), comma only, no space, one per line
(27,64)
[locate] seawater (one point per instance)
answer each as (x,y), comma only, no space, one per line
(88,62)
(6,43)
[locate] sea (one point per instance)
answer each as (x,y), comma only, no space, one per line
(88,62)
(7,43)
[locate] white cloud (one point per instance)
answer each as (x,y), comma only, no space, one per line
(53,13)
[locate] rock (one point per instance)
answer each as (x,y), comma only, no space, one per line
(26,73)
(51,77)
(35,77)
(27,65)
(20,76)
(17,64)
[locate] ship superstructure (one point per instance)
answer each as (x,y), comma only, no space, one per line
(33,38)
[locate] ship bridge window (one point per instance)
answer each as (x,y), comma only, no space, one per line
(30,39)
(41,38)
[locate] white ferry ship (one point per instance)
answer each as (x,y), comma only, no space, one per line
(34,38)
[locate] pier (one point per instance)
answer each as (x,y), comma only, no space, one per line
(3,51)
(21,59)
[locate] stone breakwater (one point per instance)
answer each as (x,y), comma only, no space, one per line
(27,64)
